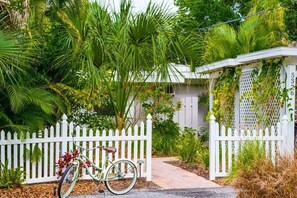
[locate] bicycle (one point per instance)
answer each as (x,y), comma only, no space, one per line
(114,176)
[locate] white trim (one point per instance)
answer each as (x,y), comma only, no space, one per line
(249,58)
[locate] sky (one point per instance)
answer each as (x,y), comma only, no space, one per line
(140,5)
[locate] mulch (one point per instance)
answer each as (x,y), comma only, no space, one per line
(47,190)
(199,170)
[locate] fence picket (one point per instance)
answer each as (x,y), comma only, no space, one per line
(34,163)
(45,153)
(57,144)
(110,134)
(71,131)
(135,148)
(117,145)
(123,147)
(236,144)
(267,143)
(223,134)
(84,145)
(97,150)
(91,134)
(103,151)
(51,156)
(142,145)
(229,149)
(129,144)
(273,145)
(9,150)
(217,134)
(39,163)
(28,175)
(2,138)
(15,151)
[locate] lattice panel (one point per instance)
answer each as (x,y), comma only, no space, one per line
(247,117)
(272,109)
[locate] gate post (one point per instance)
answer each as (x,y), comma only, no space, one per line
(212,157)
(149,148)
(64,126)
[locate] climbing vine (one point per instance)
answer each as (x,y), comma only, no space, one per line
(224,96)
(266,94)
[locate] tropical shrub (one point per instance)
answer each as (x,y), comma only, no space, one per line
(192,149)
(165,137)
(10,178)
(65,160)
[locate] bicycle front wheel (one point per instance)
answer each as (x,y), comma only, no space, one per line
(68,180)
(121,177)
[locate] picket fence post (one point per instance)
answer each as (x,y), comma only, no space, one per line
(64,126)
(284,130)
(212,133)
(149,148)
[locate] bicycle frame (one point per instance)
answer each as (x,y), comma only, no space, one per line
(99,176)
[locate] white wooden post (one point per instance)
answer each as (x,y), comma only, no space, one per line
(149,148)
(284,131)
(212,131)
(64,126)
(290,107)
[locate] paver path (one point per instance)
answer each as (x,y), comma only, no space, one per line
(171,177)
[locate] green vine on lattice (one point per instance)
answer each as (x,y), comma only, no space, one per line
(266,90)
(224,93)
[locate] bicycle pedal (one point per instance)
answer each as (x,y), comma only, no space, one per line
(101,191)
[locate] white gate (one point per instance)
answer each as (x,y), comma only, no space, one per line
(224,144)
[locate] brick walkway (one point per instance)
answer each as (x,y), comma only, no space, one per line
(171,177)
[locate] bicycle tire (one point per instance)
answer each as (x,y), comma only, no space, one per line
(65,178)
(118,175)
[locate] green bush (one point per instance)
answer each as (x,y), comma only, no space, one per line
(10,178)
(165,136)
(193,149)
(250,153)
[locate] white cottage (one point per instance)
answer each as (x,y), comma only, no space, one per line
(185,86)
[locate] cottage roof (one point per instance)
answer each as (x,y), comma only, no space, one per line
(248,58)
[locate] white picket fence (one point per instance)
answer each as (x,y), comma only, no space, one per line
(224,145)
(134,143)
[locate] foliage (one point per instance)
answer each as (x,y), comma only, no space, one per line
(255,33)
(82,116)
(192,148)
(194,14)
(265,91)
(250,153)
(157,102)
(165,137)
(264,179)
(224,96)
(291,18)
(11,178)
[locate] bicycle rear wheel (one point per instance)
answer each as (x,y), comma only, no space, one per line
(121,177)
(68,180)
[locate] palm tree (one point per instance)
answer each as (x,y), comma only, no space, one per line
(119,50)
(255,33)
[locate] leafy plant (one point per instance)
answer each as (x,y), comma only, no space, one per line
(191,148)
(65,160)
(10,178)
(165,136)
(224,92)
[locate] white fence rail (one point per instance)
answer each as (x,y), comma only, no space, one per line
(134,143)
(224,144)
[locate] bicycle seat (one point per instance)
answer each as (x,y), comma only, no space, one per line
(111,149)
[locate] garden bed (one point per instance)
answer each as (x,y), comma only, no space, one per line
(197,169)
(81,188)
